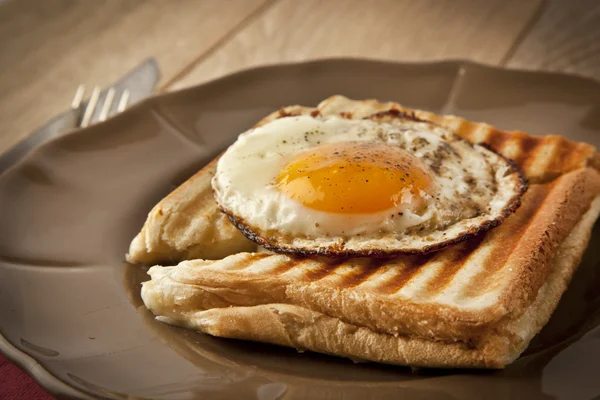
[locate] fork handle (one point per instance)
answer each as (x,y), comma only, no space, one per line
(57,126)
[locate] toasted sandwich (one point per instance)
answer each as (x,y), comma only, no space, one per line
(473,304)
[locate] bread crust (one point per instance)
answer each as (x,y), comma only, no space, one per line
(306,329)
(187,224)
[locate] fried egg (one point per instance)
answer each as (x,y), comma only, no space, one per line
(341,187)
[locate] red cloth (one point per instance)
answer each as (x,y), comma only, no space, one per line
(17,385)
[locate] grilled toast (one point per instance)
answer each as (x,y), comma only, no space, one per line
(477,304)
(303,328)
(187,223)
(474,296)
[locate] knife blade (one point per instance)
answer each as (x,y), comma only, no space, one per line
(140,82)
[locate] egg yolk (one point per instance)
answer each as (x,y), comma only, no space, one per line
(354,178)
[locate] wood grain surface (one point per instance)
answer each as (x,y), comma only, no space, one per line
(565,37)
(399,30)
(49,47)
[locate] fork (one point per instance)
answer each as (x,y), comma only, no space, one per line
(136,85)
(93,103)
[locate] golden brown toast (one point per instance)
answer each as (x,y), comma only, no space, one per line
(187,223)
(221,298)
(477,304)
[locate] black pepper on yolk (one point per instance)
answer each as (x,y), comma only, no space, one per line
(354,178)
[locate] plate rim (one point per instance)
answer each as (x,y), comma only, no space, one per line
(59,388)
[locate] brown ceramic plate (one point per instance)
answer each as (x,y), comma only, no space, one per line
(70,311)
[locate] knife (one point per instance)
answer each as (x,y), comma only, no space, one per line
(140,82)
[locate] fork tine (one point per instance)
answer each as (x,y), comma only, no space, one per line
(91,107)
(123,101)
(76,103)
(108,100)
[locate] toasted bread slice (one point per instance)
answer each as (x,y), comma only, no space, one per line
(187,224)
(222,299)
(477,304)
(459,293)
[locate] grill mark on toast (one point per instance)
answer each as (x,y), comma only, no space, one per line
(461,128)
(321,271)
(409,270)
(565,156)
(501,253)
(284,267)
(363,273)
(529,147)
(496,139)
(460,125)
(455,264)
(249,260)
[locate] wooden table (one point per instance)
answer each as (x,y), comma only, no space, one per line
(49,47)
